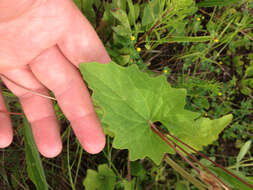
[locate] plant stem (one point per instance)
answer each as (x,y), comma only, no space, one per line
(27,89)
(68,161)
(153,27)
(78,164)
(165,139)
(128,168)
(218,165)
(11,113)
(183,173)
(174,145)
(204,167)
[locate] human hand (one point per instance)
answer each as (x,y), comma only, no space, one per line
(41,44)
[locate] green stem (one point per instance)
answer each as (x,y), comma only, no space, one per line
(183,173)
(79,163)
(68,161)
(240,166)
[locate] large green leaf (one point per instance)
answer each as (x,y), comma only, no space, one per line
(34,166)
(103,179)
(132,99)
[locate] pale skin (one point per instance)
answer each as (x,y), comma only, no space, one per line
(42,43)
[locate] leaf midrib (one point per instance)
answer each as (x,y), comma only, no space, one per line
(113,92)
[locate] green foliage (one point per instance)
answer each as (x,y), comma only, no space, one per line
(104,178)
(86,6)
(78,3)
(245,148)
(124,29)
(180,186)
(138,170)
(152,12)
(246,82)
(34,166)
(131,100)
(168,14)
(213,3)
(233,183)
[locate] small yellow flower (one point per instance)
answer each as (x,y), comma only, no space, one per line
(206,114)
(198,19)
(220,62)
(138,49)
(165,71)
(219,94)
(203,17)
(216,40)
(132,38)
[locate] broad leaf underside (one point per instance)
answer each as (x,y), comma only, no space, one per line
(130,99)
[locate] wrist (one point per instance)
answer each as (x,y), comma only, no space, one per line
(10,9)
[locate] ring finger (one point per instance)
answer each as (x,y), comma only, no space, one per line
(39,110)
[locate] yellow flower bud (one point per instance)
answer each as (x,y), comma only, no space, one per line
(138,49)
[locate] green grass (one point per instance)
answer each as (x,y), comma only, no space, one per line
(204,48)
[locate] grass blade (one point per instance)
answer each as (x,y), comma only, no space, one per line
(245,148)
(218,165)
(213,3)
(34,165)
(175,146)
(234,183)
(182,171)
(179,39)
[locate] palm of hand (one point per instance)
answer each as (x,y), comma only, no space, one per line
(39,50)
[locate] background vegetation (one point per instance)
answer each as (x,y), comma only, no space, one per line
(205,47)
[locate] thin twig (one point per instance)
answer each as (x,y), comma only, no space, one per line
(11,113)
(29,90)
(128,168)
